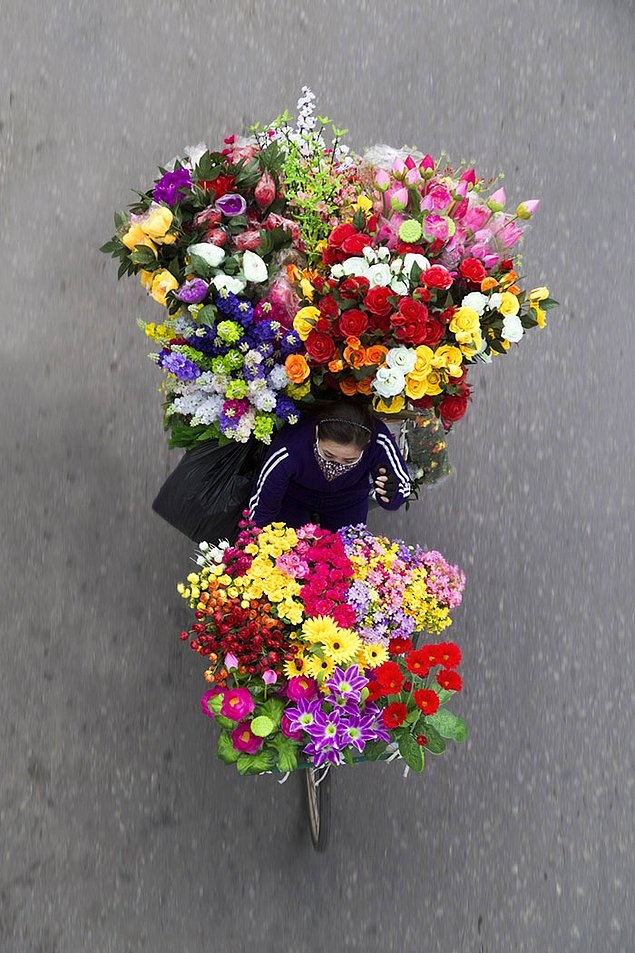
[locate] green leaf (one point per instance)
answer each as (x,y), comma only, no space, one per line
(200,267)
(224,722)
(214,703)
(374,750)
(448,725)
(272,709)
(225,749)
(435,743)
(262,726)
(207,315)
(411,752)
(359,220)
(287,756)
(255,763)
(142,255)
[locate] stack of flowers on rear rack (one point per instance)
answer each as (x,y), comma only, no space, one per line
(322,647)
(290,268)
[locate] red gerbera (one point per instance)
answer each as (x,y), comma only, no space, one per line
(394,715)
(426,700)
(389,676)
(417,663)
(399,645)
(448,654)
(450,680)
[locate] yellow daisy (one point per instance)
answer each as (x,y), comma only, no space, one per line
(372,655)
(319,668)
(319,628)
(296,666)
(341,645)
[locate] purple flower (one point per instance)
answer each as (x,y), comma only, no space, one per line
(237,703)
(179,365)
(303,715)
(285,408)
(319,756)
(231,204)
(192,291)
(290,343)
(324,730)
(172,186)
(346,684)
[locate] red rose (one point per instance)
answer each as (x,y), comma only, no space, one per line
(390,677)
(394,715)
(329,307)
(340,233)
(450,680)
(432,333)
(322,324)
(352,323)
(425,403)
(437,276)
(319,347)
(426,700)
(408,331)
(355,244)
(376,300)
(507,264)
(354,287)
(412,309)
(417,663)
(453,408)
(331,255)
(380,322)
(421,294)
(473,270)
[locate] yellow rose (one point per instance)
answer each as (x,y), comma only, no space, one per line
(433,384)
(393,407)
(471,343)
(136,236)
(463,324)
(157,223)
(508,304)
(415,387)
(146,278)
(423,362)
(538,294)
(449,357)
(304,321)
(535,296)
(162,283)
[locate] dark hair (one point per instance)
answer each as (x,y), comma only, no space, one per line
(346,422)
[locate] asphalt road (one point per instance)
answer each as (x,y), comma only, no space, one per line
(119,832)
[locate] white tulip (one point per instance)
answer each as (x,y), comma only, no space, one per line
(227,283)
(254,268)
(211,254)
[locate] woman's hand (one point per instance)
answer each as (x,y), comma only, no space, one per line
(385,484)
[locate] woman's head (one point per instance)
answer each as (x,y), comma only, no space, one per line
(343,431)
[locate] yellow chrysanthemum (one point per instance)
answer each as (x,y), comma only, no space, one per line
(372,655)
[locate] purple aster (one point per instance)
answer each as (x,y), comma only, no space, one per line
(231,204)
(173,186)
(320,756)
(325,729)
(371,719)
(358,731)
(179,365)
(193,291)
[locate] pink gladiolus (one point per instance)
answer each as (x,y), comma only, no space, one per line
(497,200)
(509,234)
(528,208)
(399,200)
(244,740)
(265,191)
(382,180)
(237,703)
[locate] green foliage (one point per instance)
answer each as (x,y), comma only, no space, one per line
(448,725)
(411,752)
(225,751)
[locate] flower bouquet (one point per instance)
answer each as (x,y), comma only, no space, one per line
(321,647)
(291,269)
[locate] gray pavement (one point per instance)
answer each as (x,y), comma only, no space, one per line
(119,832)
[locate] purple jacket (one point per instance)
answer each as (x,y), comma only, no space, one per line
(291,487)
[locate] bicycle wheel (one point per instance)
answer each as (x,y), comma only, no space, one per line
(318,795)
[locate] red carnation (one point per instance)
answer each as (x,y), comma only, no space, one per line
(450,680)
(389,676)
(221,185)
(340,233)
(417,662)
(319,347)
(394,715)
(399,645)
(426,700)
(355,244)
(376,300)
(352,323)
(375,690)
(448,654)
(437,276)
(473,270)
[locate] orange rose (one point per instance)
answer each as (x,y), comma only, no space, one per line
(364,386)
(336,365)
(355,357)
(297,368)
(375,354)
(348,386)
(488,283)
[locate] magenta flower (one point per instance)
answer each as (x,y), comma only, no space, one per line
(244,740)
(231,204)
(217,690)
(269,677)
(288,730)
(382,180)
(399,200)
(237,703)
(301,686)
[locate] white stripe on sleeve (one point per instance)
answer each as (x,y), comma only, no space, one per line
(278,457)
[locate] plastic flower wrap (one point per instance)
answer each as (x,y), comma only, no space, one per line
(316,650)
(291,269)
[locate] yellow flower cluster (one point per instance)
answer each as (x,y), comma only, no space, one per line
(432,370)
(422,606)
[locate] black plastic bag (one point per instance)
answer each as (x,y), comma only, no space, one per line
(205,495)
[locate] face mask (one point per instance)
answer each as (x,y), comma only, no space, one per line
(330,468)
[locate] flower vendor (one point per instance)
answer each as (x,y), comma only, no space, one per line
(326,466)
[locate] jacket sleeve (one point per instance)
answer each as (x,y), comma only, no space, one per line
(270,487)
(389,456)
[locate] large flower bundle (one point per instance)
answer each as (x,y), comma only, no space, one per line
(316,648)
(291,269)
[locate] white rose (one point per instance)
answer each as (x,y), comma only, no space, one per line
(379,275)
(399,287)
(234,285)
(355,266)
(402,358)
(211,254)
(494,302)
(389,381)
(254,268)
(476,301)
(412,258)
(369,253)
(512,329)
(382,253)
(337,271)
